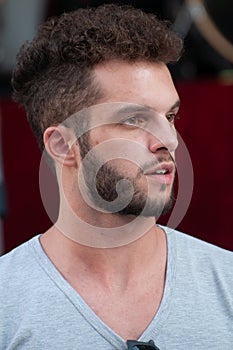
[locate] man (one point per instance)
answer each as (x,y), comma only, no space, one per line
(101,101)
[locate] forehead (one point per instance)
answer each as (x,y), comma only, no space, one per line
(143,83)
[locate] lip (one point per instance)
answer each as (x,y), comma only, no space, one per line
(167,178)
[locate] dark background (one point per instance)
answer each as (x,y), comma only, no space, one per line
(204,81)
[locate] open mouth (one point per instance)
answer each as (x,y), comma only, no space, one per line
(161,169)
(163,173)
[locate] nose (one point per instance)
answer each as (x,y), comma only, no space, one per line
(162,135)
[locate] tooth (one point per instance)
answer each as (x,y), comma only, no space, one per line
(162,171)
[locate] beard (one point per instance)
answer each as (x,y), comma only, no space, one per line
(141,202)
(128,199)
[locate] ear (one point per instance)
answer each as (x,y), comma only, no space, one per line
(60,144)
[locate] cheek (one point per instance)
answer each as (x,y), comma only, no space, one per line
(124,167)
(125,144)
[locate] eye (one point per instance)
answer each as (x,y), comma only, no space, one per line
(135,120)
(171,117)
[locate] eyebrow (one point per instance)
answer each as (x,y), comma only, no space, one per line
(176,105)
(133,108)
(136,108)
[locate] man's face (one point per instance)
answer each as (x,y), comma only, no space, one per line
(147,161)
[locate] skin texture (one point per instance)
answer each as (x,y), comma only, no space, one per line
(123,285)
(141,78)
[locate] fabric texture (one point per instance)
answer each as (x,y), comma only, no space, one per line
(40,310)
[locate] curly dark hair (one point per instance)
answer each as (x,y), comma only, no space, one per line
(53,76)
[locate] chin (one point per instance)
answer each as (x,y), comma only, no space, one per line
(147,207)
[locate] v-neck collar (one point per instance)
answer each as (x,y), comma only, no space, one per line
(155,326)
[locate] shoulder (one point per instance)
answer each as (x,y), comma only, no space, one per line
(200,258)
(19,253)
(17,265)
(195,245)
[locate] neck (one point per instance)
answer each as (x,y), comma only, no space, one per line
(96,229)
(121,264)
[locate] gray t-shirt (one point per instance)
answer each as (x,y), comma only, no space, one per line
(40,310)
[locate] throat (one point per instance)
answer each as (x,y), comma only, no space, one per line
(123,286)
(126,308)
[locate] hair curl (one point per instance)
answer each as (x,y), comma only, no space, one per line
(53,79)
